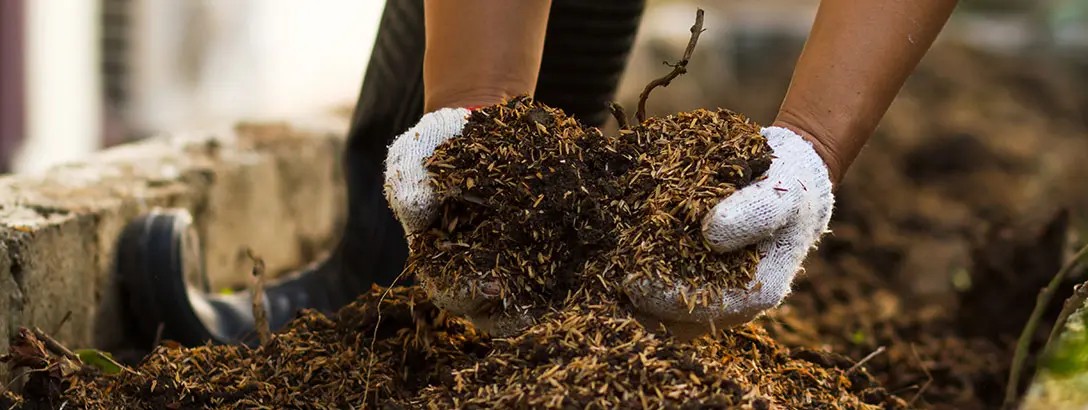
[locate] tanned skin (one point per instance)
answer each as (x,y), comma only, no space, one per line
(856,59)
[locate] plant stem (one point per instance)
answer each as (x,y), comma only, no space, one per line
(1041,302)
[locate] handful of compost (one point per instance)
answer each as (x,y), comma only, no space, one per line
(700,219)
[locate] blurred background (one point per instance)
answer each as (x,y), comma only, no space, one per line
(79,75)
(76,76)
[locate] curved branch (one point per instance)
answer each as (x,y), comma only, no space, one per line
(681,67)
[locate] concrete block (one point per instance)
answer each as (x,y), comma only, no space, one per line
(51,258)
(271,187)
(10,297)
(271,195)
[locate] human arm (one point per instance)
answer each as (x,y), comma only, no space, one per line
(856,59)
(479,52)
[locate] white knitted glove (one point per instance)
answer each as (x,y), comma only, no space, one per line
(410,194)
(785,213)
(407,183)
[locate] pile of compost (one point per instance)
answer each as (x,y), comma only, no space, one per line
(394,349)
(558,215)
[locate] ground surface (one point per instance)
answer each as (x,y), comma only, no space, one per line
(396,350)
(947,226)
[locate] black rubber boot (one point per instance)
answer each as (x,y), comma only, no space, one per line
(159,260)
(163,280)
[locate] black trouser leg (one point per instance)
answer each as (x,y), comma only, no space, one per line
(391,101)
(585,54)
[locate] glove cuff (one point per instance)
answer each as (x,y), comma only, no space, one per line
(799,153)
(406,189)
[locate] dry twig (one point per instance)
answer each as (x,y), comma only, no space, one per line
(25,373)
(619,114)
(929,377)
(260,316)
(60,325)
(374,337)
(1074,302)
(1023,343)
(865,359)
(679,68)
(55,347)
(158,334)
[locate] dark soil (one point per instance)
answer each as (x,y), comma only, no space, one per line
(947,227)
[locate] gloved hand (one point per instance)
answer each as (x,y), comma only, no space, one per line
(410,194)
(407,185)
(785,213)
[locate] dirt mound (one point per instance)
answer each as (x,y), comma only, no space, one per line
(540,204)
(596,356)
(408,354)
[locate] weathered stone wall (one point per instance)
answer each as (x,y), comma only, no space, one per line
(271,187)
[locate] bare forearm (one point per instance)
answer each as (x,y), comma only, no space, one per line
(481,51)
(856,59)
